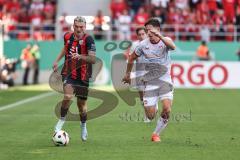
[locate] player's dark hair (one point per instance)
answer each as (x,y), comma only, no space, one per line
(140,29)
(153,21)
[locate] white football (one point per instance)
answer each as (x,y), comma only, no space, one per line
(60,138)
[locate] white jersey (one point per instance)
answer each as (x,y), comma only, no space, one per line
(156,53)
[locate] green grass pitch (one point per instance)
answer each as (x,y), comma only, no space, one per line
(205,124)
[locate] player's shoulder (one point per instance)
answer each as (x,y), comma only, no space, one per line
(89,38)
(144,42)
(135,44)
(67,35)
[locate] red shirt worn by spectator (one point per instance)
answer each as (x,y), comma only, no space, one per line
(117,7)
(212,5)
(229,10)
(12,6)
(141,17)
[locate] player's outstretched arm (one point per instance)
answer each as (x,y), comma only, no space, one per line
(59,57)
(168,42)
(131,59)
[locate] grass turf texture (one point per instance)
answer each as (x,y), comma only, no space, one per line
(211,133)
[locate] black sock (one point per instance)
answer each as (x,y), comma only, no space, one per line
(83,117)
(64,111)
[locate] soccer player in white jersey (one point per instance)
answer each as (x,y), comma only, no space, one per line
(157,80)
(141,35)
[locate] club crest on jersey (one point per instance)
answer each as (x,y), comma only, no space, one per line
(80,42)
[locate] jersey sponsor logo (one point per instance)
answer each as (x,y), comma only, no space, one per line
(80,42)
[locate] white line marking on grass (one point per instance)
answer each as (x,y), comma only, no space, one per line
(13,105)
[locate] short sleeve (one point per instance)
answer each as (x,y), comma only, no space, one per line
(139,50)
(90,44)
(65,38)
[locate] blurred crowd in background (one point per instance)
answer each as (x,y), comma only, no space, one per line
(25,17)
(207,20)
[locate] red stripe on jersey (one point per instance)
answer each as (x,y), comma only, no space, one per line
(74,62)
(66,46)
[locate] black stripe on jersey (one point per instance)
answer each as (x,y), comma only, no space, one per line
(79,63)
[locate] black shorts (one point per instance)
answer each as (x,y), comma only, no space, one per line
(80,87)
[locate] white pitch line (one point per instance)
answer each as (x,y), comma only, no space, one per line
(13,105)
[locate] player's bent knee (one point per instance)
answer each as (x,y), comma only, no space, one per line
(150,112)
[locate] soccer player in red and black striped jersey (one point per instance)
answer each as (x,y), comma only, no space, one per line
(79,51)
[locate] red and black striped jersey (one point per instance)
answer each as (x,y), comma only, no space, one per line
(74,68)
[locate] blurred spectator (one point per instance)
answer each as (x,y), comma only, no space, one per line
(141,17)
(25,4)
(7,72)
(229,31)
(37,5)
(160,3)
(116,8)
(158,13)
(181,4)
(11,5)
(26,63)
(205,34)
(212,5)
(36,62)
(219,21)
(203,52)
(238,21)
(193,4)
(124,21)
(10,19)
(98,22)
(134,6)
(36,18)
(229,9)
(238,54)
(19,16)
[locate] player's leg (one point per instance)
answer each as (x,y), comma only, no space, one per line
(146,120)
(66,102)
(82,107)
(81,94)
(162,122)
(150,106)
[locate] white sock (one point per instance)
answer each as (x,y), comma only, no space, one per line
(161,124)
(59,124)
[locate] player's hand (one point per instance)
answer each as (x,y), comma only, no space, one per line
(73,53)
(76,56)
(126,79)
(156,32)
(55,66)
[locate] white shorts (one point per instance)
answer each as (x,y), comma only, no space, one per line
(153,93)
